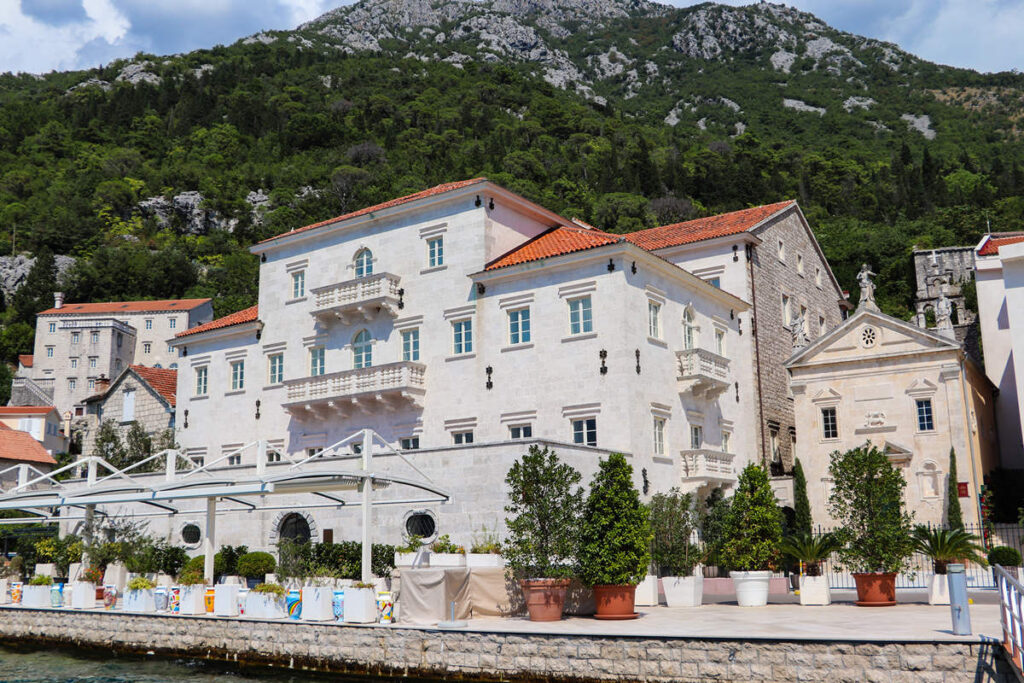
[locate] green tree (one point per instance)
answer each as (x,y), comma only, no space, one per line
(712,526)
(108,445)
(37,292)
(673,520)
(139,446)
(753,527)
(802,520)
(954,516)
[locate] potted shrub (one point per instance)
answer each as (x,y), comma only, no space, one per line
(675,556)
(615,539)
(874,528)
(752,536)
(37,593)
(945,546)
(192,596)
(543,516)
(444,553)
(406,555)
(811,551)
(255,566)
(94,575)
(266,601)
(1006,557)
(139,596)
(485,551)
(360,604)
(318,594)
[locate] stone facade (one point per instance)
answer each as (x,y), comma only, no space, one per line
(941,271)
(151,410)
(429,653)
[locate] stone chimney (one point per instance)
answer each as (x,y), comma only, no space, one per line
(58,299)
(102,384)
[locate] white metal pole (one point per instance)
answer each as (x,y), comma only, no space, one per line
(209,542)
(261,458)
(22,475)
(91,472)
(171,463)
(367,557)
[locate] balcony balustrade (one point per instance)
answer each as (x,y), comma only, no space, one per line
(703,372)
(381,387)
(712,467)
(361,298)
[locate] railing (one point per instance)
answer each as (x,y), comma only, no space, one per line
(1011,608)
(702,363)
(401,376)
(35,388)
(96,323)
(703,463)
(380,289)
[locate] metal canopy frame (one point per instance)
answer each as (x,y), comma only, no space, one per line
(200,482)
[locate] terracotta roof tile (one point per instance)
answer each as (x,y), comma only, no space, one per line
(244,316)
(25,359)
(554,242)
(423,194)
(999,239)
(705,228)
(25,410)
(163,381)
(22,447)
(126,307)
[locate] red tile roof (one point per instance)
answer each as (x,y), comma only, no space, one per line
(22,447)
(6,411)
(25,359)
(247,315)
(423,194)
(999,239)
(127,307)
(163,381)
(705,228)
(554,242)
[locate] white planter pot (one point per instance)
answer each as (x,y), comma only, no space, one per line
(360,606)
(938,589)
(5,592)
(646,593)
(140,601)
(225,600)
(83,595)
(447,560)
(814,590)
(265,606)
(751,588)
(409,559)
(192,599)
(317,603)
(37,597)
(489,560)
(683,591)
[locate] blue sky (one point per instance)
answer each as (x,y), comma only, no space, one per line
(43,35)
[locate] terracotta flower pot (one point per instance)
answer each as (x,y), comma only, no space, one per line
(545,598)
(615,602)
(876,589)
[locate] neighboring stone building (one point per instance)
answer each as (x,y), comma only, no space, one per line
(77,344)
(44,423)
(768,256)
(139,394)
(910,391)
(942,273)
(22,458)
(999,259)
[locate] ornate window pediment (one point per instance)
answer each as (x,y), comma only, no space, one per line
(827,397)
(921,388)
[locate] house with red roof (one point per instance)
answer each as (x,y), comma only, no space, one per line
(22,457)
(140,394)
(44,423)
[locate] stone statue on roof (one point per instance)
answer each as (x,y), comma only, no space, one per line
(867,288)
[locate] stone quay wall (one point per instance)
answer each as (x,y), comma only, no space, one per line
(483,655)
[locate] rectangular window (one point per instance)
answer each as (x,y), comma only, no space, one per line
(520,431)
(924,415)
(298,284)
(787,310)
(720,342)
(128,411)
(273,456)
(149,323)
(696,437)
(53,327)
(806,320)
(120,339)
(821,325)
(49,352)
(72,384)
(659,436)
(94,337)
(585,431)
(172,323)
(817,275)
(773,437)
(435,252)
(92,384)
(146,347)
(411,345)
(74,363)
(317,365)
(654,319)
(410,443)
(235,459)
(519,326)
(237,375)
(75,337)
(726,439)
(580,317)
(461,438)
(800,263)
(829,426)
(170,348)
(201,376)
(276,367)
(92,362)
(782,251)
(462,333)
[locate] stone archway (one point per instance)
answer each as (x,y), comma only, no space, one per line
(282,520)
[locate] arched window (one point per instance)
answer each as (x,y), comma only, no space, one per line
(295,527)
(689,331)
(364,263)
(362,350)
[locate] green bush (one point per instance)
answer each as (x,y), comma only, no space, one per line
(271,589)
(41,581)
(229,556)
(191,577)
(712,526)
(140,583)
(199,563)
(256,565)
(444,544)
(810,549)
(753,526)
(1004,556)
(615,535)
(673,521)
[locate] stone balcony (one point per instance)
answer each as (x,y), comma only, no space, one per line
(702,372)
(359,299)
(381,387)
(708,466)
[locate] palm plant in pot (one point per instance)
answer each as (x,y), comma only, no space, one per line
(543,517)
(875,530)
(675,556)
(753,533)
(945,546)
(811,551)
(615,539)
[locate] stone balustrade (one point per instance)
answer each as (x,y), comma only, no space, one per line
(363,297)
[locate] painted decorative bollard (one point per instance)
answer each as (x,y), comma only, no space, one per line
(174,599)
(109,597)
(209,598)
(57,595)
(385,608)
(339,605)
(16,592)
(294,603)
(160,598)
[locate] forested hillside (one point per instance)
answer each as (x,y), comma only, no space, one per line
(157,173)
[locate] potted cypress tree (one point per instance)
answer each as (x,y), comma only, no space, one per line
(675,556)
(615,539)
(753,533)
(874,528)
(543,516)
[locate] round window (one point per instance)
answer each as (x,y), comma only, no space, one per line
(421,524)
(295,527)
(868,336)
(191,534)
